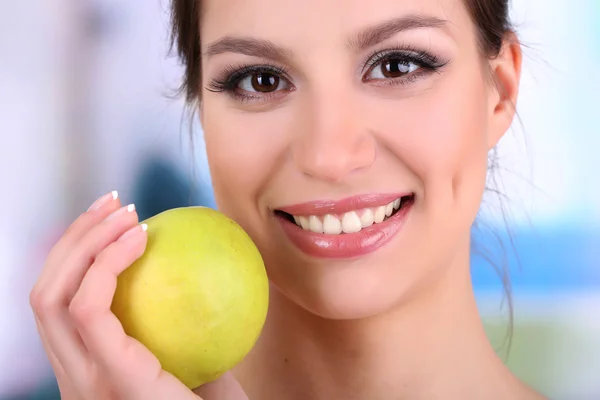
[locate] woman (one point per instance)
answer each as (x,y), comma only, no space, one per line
(350,140)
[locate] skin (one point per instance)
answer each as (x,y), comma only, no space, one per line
(399,323)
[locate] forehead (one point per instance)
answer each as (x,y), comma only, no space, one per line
(293,21)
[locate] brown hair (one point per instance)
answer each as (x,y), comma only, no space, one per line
(490,17)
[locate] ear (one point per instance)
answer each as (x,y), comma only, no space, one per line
(506,74)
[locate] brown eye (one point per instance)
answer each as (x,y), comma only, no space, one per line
(391,68)
(262,82)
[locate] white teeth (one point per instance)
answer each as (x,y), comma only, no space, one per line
(332,225)
(351,223)
(304,223)
(367,218)
(379,214)
(315,224)
(389,209)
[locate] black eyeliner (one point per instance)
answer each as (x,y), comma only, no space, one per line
(233,74)
(406,54)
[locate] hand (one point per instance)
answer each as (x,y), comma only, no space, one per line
(90,353)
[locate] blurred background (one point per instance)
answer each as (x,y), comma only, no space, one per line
(85,108)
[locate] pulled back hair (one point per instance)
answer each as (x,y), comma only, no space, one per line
(490,17)
(493,29)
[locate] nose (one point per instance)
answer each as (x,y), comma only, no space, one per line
(333,141)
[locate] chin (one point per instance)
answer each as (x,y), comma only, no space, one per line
(348,301)
(350,307)
(347,291)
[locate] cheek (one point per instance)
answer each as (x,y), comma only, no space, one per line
(440,136)
(243,150)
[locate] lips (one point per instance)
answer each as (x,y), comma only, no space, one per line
(347,228)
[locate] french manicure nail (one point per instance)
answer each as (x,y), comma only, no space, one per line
(133,231)
(104,200)
(129,208)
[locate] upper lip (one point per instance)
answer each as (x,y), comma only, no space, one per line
(322,207)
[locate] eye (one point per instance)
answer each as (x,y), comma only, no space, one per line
(262,82)
(252,82)
(390,68)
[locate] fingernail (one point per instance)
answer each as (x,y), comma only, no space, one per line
(133,231)
(129,208)
(104,200)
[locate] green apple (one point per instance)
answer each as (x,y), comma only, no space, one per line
(198,297)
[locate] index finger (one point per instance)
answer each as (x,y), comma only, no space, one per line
(94,215)
(135,370)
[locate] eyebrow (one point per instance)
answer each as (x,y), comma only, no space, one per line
(364,39)
(373,35)
(249,46)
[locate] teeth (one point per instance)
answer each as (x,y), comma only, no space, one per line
(389,209)
(315,224)
(304,223)
(332,225)
(367,218)
(379,214)
(350,222)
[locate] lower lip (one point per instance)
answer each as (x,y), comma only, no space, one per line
(346,245)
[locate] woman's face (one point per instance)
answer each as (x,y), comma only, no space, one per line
(321,116)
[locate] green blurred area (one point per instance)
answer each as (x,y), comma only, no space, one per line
(538,353)
(530,351)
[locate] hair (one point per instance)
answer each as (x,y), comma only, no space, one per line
(490,17)
(493,29)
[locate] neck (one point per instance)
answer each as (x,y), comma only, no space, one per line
(431,346)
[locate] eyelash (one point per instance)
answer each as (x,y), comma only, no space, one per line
(426,62)
(232,76)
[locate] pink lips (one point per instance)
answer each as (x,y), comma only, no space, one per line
(345,245)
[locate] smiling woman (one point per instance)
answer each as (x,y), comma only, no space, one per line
(364,136)
(351,143)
